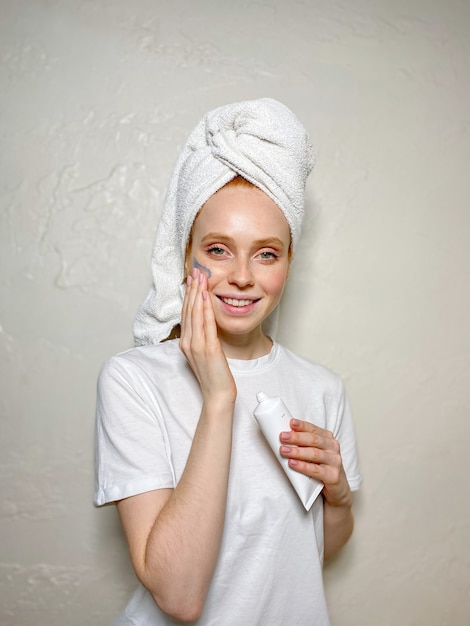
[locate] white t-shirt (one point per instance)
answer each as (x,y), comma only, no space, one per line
(269,570)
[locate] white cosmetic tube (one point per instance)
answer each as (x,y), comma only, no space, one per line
(273,418)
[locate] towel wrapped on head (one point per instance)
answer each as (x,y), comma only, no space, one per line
(260,140)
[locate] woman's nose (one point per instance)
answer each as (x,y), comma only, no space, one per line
(241,274)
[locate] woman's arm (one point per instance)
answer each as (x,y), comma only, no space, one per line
(338,524)
(174,535)
(315,452)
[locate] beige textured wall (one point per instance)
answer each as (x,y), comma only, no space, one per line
(96,99)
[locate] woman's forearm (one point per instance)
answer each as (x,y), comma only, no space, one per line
(338,524)
(183,544)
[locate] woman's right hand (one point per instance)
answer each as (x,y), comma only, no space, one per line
(200,344)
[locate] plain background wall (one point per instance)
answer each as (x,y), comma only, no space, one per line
(96,99)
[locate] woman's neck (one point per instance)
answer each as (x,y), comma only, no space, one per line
(245,347)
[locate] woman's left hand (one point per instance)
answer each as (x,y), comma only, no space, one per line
(315,452)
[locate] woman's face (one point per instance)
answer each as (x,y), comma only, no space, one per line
(241,240)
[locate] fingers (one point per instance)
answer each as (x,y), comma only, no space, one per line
(195,305)
(308,434)
(308,453)
(313,451)
(200,344)
(209,317)
(199,337)
(192,319)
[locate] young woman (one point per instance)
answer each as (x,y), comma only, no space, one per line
(216,533)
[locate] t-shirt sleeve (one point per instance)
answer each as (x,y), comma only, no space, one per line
(131,443)
(344,432)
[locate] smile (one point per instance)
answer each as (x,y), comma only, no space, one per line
(236,302)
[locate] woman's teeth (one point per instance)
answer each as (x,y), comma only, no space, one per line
(233,302)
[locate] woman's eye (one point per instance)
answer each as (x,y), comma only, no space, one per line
(216,250)
(267,255)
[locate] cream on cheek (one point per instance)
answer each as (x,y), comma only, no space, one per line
(201,267)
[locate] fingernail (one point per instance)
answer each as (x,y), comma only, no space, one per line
(189,280)
(285,449)
(285,436)
(194,272)
(295,422)
(201,278)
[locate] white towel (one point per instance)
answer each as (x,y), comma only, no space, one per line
(261,140)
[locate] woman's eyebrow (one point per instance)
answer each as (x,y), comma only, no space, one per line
(261,243)
(216,236)
(270,241)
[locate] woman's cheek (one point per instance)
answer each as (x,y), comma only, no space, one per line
(200,266)
(278,278)
(216,273)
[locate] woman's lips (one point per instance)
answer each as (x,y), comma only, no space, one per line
(237,301)
(238,305)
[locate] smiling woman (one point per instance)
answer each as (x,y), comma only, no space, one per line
(216,532)
(246,273)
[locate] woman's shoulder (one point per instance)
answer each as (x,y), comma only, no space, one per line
(144,359)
